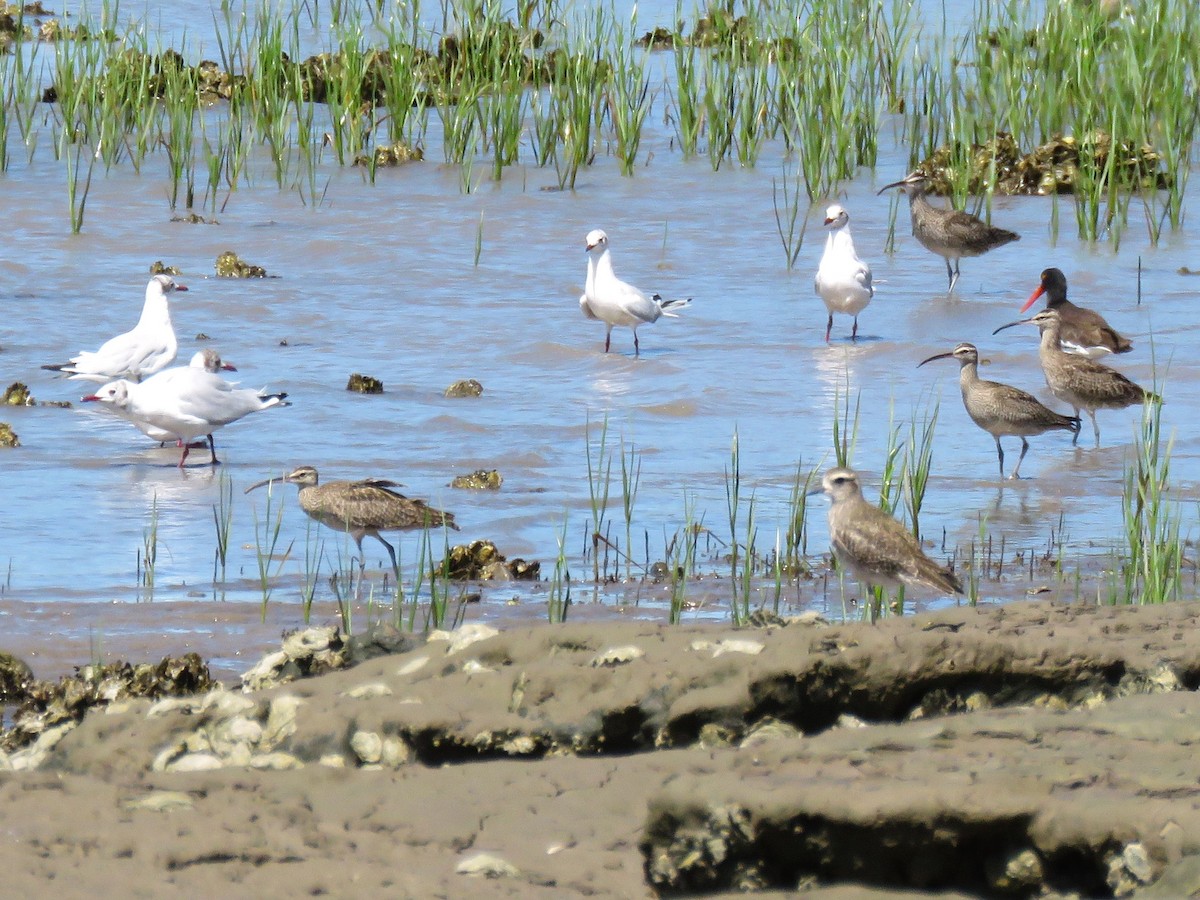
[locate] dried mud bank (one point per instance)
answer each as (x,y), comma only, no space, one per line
(634,759)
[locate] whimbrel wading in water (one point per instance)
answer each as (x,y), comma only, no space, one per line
(362,508)
(185,402)
(843,280)
(874,547)
(150,347)
(1078,380)
(1084,331)
(612,301)
(950,233)
(1001,410)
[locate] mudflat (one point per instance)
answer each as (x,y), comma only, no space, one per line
(1036,748)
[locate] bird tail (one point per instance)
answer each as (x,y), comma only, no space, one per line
(1151,397)
(60,367)
(939,577)
(668,305)
(1072,423)
(274,400)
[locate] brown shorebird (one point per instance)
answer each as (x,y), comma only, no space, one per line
(361,508)
(1078,380)
(1084,332)
(843,280)
(1002,410)
(950,233)
(874,547)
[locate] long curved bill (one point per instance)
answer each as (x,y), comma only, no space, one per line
(932,358)
(278,479)
(1011,324)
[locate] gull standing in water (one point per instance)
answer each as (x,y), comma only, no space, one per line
(150,347)
(872,546)
(950,233)
(207,360)
(612,301)
(843,280)
(361,508)
(186,402)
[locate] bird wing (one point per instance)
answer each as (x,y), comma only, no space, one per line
(586,308)
(632,302)
(132,353)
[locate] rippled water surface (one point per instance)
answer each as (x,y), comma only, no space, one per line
(382,279)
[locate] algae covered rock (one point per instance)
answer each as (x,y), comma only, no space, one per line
(481,561)
(47,704)
(15,677)
(18,394)
(230,265)
(468,387)
(364,384)
(8,437)
(396,154)
(158,267)
(479,480)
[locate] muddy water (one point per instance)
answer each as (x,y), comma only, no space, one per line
(382,279)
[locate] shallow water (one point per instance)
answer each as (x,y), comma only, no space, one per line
(380,279)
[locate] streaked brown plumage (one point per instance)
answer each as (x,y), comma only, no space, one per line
(950,233)
(1078,380)
(1084,331)
(361,508)
(874,547)
(1000,409)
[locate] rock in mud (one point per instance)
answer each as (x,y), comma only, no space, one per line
(364,384)
(481,561)
(194,219)
(65,702)
(391,155)
(18,395)
(15,677)
(468,387)
(1052,168)
(658,39)
(230,265)
(311,651)
(479,480)
(8,437)
(158,267)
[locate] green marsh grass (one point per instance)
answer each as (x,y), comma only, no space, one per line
(631,477)
(599,472)
(628,95)
(1152,571)
(266,541)
(148,558)
(558,603)
(222,512)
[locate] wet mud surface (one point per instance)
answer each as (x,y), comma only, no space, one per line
(1035,749)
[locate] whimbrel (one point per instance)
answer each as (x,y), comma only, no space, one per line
(150,347)
(1000,409)
(1083,331)
(186,402)
(950,233)
(874,547)
(361,508)
(843,280)
(612,301)
(1078,380)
